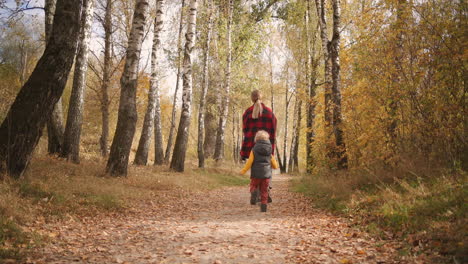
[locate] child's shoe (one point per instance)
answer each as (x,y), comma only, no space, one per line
(253,197)
(263,208)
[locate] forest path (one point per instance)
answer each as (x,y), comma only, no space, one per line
(219,226)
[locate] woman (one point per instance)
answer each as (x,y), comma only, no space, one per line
(255,118)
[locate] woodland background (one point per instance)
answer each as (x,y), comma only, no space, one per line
(370,97)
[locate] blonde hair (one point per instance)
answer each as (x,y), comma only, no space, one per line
(262,135)
(256,97)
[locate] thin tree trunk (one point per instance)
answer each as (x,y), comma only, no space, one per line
(71,140)
(234,154)
(391,132)
(103,140)
(238,136)
(127,118)
(340,148)
(49,10)
(272,86)
(205,83)
(153,111)
(210,124)
(170,140)
(291,167)
(180,146)
(212,102)
(321,14)
(55,122)
(310,82)
(280,161)
(26,118)
(286,109)
(220,135)
(298,135)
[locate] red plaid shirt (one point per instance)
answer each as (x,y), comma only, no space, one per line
(250,126)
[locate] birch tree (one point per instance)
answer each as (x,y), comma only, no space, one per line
(180,147)
(321,18)
(220,134)
(205,84)
(71,140)
(106,78)
(127,115)
(27,116)
(333,117)
(170,140)
(340,148)
(153,111)
(55,122)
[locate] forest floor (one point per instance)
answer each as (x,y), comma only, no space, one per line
(217,226)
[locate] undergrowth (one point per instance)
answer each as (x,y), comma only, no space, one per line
(52,189)
(427,211)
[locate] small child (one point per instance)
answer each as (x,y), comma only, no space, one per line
(260,162)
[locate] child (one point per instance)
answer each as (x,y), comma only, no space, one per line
(260,162)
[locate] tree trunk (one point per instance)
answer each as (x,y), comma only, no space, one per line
(71,140)
(234,147)
(310,83)
(170,140)
(298,136)
(153,111)
(340,148)
(392,122)
(321,14)
(291,167)
(103,140)
(205,83)
(180,146)
(280,161)
(285,139)
(26,118)
(272,86)
(55,122)
(220,135)
(210,124)
(127,118)
(49,10)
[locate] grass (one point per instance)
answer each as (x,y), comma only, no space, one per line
(53,188)
(428,209)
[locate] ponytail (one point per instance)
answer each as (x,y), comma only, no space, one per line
(258,108)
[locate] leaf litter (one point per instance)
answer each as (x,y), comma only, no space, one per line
(220,227)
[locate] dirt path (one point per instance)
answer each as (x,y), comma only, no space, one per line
(217,227)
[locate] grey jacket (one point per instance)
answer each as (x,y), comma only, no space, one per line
(261,167)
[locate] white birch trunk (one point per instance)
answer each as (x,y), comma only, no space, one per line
(205,83)
(321,14)
(127,118)
(340,148)
(107,24)
(286,126)
(153,111)
(220,135)
(71,140)
(180,146)
(170,140)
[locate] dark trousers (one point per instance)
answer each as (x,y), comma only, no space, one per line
(262,184)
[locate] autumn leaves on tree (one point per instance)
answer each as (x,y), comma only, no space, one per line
(346,94)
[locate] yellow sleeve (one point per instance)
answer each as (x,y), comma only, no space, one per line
(274,164)
(248,164)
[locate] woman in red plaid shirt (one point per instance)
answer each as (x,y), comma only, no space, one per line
(255,118)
